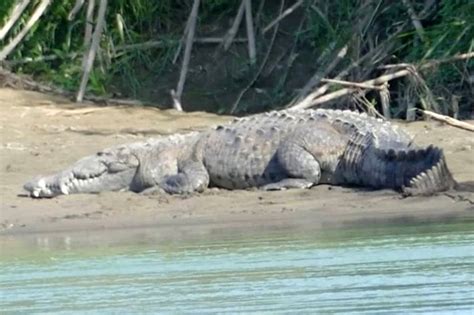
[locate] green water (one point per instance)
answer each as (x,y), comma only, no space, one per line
(417,269)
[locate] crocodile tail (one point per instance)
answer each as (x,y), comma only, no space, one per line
(435,178)
(370,162)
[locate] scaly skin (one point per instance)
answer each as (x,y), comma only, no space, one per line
(276,150)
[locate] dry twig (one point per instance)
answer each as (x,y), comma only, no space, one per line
(17,39)
(16,13)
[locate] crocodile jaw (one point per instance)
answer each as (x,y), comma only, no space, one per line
(105,171)
(65,184)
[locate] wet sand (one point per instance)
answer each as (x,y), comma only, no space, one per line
(42,133)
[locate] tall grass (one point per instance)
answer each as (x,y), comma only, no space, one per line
(366,26)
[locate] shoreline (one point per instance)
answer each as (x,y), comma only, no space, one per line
(43,134)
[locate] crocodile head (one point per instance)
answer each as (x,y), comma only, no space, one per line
(107,170)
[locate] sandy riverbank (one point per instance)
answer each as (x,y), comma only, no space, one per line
(42,133)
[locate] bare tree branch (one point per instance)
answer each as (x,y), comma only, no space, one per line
(181,42)
(187,50)
(89,23)
(77,6)
(250,32)
(87,67)
(176,101)
(17,39)
(353,84)
(16,13)
(449,120)
(311,100)
(229,37)
(384,94)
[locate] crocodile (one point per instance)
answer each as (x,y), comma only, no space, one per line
(271,151)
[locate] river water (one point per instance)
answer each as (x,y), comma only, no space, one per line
(385,270)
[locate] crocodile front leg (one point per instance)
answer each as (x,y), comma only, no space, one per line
(301,167)
(192,176)
(306,155)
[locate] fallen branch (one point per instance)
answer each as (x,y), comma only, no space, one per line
(282,16)
(89,62)
(17,39)
(311,100)
(377,81)
(448,120)
(353,84)
(250,32)
(382,49)
(16,13)
(430,63)
(436,62)
(187,50)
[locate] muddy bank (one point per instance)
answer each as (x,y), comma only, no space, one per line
(42,133)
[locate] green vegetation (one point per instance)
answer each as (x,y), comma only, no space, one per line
(376,33)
